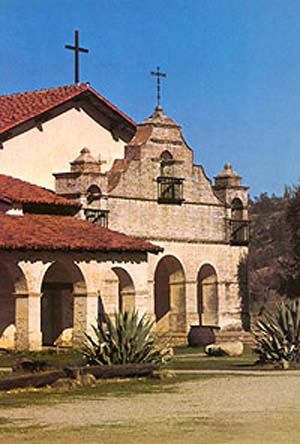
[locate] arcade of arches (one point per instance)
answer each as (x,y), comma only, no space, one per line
(45,303)
(69,296)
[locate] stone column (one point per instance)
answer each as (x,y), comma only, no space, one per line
(151,301)
(109,292)
(28,321)
(230,307)
(192,316)
(142,301)
(85,314)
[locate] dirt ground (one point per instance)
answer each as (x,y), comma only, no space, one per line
(218,410)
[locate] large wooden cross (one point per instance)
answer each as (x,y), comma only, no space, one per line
(158,75)
(76,48)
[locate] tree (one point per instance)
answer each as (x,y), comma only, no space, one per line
(290,267)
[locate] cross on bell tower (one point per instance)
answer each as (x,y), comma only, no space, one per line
(158,75)
(76,48)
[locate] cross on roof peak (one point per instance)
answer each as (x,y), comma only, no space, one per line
(76,48)
(158,75)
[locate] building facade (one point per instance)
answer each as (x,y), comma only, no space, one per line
(156,193)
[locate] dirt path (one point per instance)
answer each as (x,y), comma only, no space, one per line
(232,409)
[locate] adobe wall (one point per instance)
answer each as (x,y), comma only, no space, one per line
(47,148)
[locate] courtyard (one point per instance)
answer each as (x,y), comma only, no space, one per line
(211,401)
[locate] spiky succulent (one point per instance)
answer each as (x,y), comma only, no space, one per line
(277,335)
(125,340)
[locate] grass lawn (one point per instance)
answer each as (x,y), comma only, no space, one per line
(193,358)
(7,359)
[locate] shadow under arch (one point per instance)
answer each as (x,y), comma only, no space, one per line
(12,282)
(207,296)
(126,289)
(60,282)
(169,295)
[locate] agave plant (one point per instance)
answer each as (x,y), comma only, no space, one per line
(125,340)
(277,335)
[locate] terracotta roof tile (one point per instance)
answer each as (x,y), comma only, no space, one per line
(20,107)
(20,191)
(45,232)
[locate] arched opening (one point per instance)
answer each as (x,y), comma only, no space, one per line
(166,155)
(170,307)
(126,290)
(12,280)
(60,283)
(237,209)
(166,164)
(93,194)
(208,304)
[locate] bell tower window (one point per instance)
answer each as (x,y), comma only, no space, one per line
(239,227)
(170,188)
(94,212)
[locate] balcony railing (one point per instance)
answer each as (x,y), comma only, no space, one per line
(239,232)
(170,190)
(99,217)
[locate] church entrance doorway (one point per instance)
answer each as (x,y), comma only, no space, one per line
(126,290)
(169,288)
(208,304)
(57,304)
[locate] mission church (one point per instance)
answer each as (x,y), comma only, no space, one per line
(133,222)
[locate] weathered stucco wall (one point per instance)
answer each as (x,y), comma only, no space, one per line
(37,153)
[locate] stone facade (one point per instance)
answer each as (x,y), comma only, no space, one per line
(157,193)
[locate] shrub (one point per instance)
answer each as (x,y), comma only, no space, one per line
(125,340)
(277,335)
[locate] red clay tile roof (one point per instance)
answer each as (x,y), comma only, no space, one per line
(142,135)
(20,107)
(43,232)
(17,190)
(4,198)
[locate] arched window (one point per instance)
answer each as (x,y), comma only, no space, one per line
(93,193)
(166,164)
(170,188)
(166,155)
(236,209)
(239,225)
(94,211)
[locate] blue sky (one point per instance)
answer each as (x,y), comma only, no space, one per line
(233,70)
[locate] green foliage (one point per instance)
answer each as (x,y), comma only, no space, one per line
(270,248)
(125,340)
(277,335)
(290,275)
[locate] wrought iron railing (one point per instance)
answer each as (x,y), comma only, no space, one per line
(170,190)
(239,232)
(99,217)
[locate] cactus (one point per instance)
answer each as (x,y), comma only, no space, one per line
(126,340)
(277,335)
